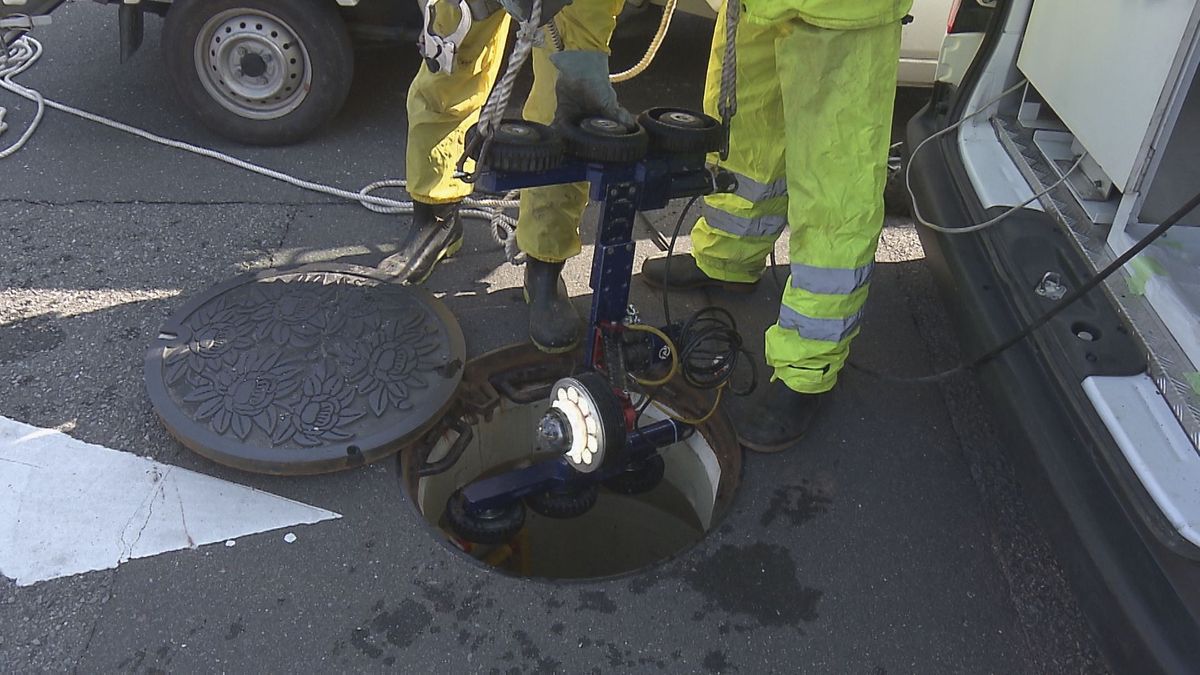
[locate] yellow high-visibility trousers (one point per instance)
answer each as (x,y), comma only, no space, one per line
(443,106)
(809,145)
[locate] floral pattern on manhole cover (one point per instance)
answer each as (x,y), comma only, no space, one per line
(300,371)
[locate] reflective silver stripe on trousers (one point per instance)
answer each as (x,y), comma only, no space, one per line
(828,330)
(762,226)
(754,191)
(830,280)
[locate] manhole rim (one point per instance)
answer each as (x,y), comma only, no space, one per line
(727,492)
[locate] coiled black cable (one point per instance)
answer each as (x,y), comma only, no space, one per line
(708,345)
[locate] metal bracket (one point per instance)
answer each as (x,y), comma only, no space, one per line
(440,52)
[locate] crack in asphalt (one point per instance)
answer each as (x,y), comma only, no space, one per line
(292,214)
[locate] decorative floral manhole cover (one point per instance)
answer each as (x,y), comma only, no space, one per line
(303,371)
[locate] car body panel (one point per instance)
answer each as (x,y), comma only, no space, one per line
(1136,578)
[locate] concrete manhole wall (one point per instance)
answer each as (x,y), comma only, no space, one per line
(621,533)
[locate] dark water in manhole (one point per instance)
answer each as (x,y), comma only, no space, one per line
(619,535)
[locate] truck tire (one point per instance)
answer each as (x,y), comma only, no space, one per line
(262,72)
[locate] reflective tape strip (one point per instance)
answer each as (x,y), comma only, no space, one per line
(827,330)
(754,191)
(830,280)
(761,226)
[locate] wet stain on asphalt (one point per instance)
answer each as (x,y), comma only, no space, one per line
(133,662)
(235,629)
(767,589)
(440,596)
(716,662)
(596,601)
(399,628)
(798,504)
(533,655)
(23,339)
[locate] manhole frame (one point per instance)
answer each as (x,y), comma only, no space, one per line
(479,396)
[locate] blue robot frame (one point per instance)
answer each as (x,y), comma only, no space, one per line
(622,190)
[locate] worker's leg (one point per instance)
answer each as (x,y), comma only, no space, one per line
(838,91)
(442,106)
(732,240)
(734,236)
(548,229)
(548,226)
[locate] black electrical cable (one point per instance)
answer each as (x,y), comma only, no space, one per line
(1097,279)
(709,343)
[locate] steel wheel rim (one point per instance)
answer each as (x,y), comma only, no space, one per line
(252,64)
(604,126)
(683,119)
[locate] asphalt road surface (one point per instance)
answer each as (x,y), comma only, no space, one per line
(894,540)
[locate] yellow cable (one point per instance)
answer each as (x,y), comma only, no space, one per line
(643,328)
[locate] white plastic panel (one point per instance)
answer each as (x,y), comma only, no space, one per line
(1104,67)
(1154,444)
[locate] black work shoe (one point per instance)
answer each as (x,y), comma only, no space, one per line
(436,233)
(686,274)
(773,418)
(554,325)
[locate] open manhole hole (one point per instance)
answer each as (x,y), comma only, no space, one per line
(637,519)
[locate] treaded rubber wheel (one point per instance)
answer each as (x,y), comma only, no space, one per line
(564,502)
(678,130)
(638,477)
(599,139)
(263,72)
(519,146)
(495,527)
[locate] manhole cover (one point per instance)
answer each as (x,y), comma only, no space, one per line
(304,371)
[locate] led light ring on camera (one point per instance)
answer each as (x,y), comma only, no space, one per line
(575,403)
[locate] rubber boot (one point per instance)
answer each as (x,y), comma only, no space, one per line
(685,274)
(554,325)
(436,233)
(774,418)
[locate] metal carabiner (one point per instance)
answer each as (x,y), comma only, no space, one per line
(441,51)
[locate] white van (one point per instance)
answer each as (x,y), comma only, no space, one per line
(230,89)
(1084,114)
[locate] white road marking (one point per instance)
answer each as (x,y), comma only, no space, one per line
(68,507)
(17,304)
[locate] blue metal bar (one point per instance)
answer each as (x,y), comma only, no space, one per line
(498,491)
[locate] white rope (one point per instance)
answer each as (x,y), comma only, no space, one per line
(727,101)
(25,51)
(727,95)
(497,102)
(16,59)
(651,51)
